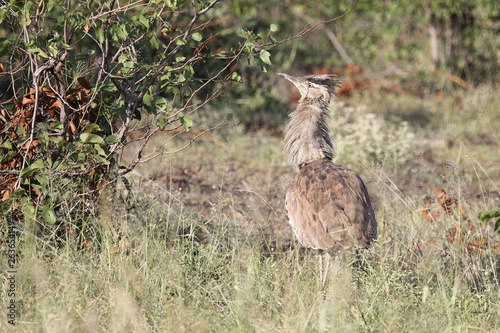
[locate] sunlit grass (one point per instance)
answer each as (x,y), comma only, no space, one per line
(199,242)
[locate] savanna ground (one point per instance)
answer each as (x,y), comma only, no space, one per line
(198,241)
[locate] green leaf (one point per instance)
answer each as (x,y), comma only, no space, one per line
(7,144)
(38,164)
(264,56)
(273,27)
(181,42)
(19,192)
(180,59)
(186,122)
(50,5)
(146,99)
(128,64)
(102,160)
(100,151)
(92,128)
(43,180)
(99,34)
(48,214)
(197,36)
(121,31)
(55,140)
(91,138)
(26,172)
(236,77)
(112,139)
(161,122)
(261,65)
(37,50)
(154,42)
(485,217)
(8,155)
(20,130)
(181,78)
(56,125)
(3,13)
(144,21)
(161,102)
(65,46)
(27,208)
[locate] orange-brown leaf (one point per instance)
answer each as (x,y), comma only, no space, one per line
(55,104)
(425,214)
(6,194)
(28,100)
(49,91)
(83,96)
(5,114)
(72,128)
(83,82)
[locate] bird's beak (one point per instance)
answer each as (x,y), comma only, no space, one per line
(288,77)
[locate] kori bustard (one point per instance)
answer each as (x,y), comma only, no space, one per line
(327,204)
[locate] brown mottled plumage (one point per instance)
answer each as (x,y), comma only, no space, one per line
(327,204)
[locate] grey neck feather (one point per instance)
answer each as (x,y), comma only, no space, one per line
(307,134)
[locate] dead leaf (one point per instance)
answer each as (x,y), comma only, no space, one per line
(83,82)
(72,128)
(425,213)
(34,143)
(55,104)
(49,91)
(83,96)
(5,114)
(28,100)
(6,194)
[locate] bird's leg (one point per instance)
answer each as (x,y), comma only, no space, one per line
(320,256)
(327,266)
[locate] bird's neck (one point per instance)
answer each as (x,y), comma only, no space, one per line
(307,135)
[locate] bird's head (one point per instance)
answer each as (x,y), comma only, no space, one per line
(322,86)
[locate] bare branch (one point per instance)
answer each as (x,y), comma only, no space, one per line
(305,31)
(338,46)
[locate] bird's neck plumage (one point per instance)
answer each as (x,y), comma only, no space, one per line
(307,135)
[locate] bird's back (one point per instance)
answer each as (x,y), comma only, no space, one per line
(328,207)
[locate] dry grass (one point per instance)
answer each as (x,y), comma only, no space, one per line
(199,242)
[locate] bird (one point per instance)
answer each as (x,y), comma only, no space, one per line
(327,204)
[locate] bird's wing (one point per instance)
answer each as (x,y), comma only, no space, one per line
(328,206)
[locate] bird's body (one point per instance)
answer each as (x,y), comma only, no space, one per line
(328,205)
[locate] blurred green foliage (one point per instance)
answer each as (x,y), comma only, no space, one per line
(387,39)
